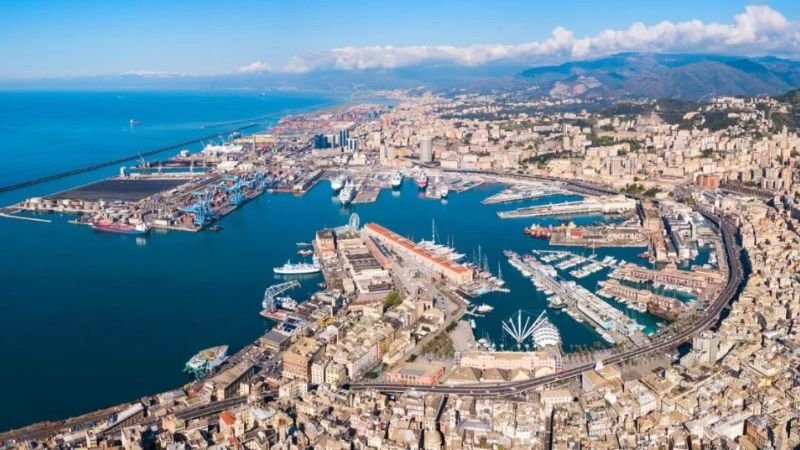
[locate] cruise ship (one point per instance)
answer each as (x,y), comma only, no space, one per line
(347,193)
(297,269)
(422,180)
(109,226)
(397,180)
(206,360)
(338,183)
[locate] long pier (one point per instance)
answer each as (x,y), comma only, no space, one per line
(100,165)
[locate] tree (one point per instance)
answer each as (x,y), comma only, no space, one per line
(392,300)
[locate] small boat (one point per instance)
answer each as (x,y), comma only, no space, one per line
(305,252)
(443,192)
(134,123)
(472,323)
(555,302)
(484,308)
(215,227)
(303,244)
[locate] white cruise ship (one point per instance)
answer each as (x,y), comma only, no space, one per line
(347,194)
(298,269)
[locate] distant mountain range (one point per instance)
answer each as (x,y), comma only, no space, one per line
(624,75)
(684,76)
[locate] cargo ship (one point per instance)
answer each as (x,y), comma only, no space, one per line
(297,269)
(206,360)
(422,180)
(109,226)
(397,179)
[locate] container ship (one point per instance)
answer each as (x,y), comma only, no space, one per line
(297,269)
(109,226)
(206,360)
(422,180)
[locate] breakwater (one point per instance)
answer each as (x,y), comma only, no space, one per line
(100,165)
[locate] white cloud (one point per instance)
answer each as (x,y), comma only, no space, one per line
(254,67)
(759,29)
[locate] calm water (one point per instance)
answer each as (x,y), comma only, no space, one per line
(89,320)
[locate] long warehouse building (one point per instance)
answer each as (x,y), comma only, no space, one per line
(405,248)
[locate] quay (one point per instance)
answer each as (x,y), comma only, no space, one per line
(516,193)
(599,237)
(599,205)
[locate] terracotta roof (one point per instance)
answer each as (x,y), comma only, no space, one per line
(227,417)
(412,247)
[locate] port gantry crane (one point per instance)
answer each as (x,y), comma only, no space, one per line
(235,190)
(275,290)
(201,209)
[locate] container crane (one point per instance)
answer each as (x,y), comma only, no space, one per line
(200,210)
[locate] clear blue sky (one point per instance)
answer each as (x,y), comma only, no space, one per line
(79,37)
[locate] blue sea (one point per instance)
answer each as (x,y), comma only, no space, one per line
(90,320)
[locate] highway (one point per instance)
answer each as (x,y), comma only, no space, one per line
(709,317)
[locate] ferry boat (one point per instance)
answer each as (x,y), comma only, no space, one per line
(397,179)
(347,193)
(422,180)
(297,269)
(109,226)
(206,360)
(338,183)
(484,308)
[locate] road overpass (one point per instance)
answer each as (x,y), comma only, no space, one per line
(708,318)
